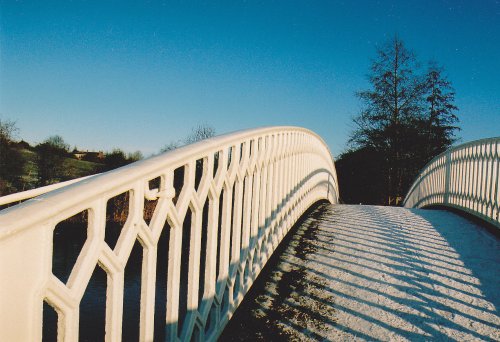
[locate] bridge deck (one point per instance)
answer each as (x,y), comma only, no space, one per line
(377,273)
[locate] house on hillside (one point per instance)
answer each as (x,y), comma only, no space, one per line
(96,157)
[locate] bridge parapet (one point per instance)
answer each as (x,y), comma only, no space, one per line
(465,177)
(226,204)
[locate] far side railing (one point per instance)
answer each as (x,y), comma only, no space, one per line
(466,177)
(24,195)
(167,246)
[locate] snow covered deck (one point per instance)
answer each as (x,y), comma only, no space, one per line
(377,273)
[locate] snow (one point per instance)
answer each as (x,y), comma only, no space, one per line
(382,273)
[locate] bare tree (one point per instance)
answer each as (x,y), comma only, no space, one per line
(8,130)
(135,156)
(170,146)
(199,133)
(58,142)
(11,161)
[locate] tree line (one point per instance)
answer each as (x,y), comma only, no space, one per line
(50,162)
(408,116)
(49,165)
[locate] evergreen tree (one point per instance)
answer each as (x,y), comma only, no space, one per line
(440,118)
(407,118)
(391,108)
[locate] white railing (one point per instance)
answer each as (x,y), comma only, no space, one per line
(465,177)
(240,195)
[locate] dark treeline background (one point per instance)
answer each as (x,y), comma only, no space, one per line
(407,118)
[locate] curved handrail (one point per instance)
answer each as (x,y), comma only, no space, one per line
(465,177)
(254,185)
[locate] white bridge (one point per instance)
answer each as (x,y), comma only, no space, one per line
(222,206)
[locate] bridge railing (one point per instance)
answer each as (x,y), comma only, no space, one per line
(465,177)
(24,195)
(225,204)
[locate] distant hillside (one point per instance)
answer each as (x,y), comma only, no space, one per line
(72,168)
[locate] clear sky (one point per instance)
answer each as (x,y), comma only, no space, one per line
(137,75)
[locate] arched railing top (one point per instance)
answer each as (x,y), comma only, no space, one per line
(465,177)
(74,194)
(225,203)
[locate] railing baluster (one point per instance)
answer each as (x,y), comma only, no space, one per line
(276,174)
(473,180)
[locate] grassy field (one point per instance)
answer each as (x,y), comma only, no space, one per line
(73,168)
(30,170)
(78,168)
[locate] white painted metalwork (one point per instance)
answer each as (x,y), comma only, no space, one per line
(465,177)
(268,178)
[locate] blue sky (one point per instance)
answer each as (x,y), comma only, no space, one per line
(139,75)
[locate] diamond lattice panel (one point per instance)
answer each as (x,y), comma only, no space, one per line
(181,235)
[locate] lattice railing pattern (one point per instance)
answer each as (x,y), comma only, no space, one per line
(238,196)
(466,177)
